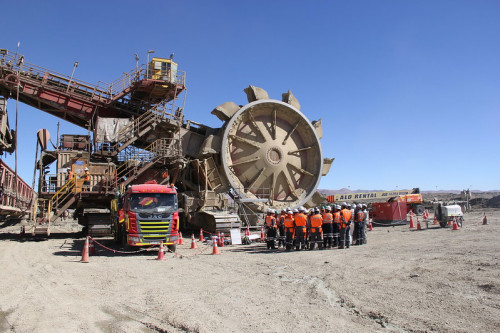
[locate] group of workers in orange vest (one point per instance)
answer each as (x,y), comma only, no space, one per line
(326,227)
(85,177)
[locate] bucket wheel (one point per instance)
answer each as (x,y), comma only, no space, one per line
(270,150)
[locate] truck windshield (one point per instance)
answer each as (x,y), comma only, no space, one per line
(153,202)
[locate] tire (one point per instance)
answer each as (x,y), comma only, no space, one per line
(172,247)
(443,224)
(460,221)
(117,235)
(123,240)
(419,209)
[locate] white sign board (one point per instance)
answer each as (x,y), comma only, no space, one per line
(235,236)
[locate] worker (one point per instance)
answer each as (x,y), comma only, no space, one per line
(70,173)
(336,225)
(309,213)
(316,230)
(345,222)
(300,229)
(327,228)
(281,227)
(359,221)
(289,223)
(270,228)
(367,221)
(86,179)
(352,207)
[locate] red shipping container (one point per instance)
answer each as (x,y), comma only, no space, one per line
(389,213)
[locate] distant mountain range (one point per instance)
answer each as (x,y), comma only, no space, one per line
(346,190)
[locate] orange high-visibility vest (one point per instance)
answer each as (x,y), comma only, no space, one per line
(327,218)
(336,217)
(270,221)
(360,216)
(346,215)
(300,220)
(316,221)
(289,221)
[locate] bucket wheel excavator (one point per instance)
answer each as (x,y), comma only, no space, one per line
(265,154)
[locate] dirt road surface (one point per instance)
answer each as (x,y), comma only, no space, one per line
(434,280)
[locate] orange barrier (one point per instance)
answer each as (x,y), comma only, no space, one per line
(193,242)
(85,252)
(161,254)
(215,248)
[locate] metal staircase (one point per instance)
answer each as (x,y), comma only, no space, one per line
(140,127)
(136,161)
(50,210)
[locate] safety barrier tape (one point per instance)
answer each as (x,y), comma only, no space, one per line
(147,248)
(117,251)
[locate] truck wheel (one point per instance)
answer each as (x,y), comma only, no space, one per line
(443,224)
(117,235)
(123,237)
(419,209)
(460,221)
(172,247)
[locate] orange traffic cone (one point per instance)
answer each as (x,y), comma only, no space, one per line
(193,242)
(91,247)
(85,252)
(247,232)
(411,222)
(418,224)
(455,224)
(370,226)
(262,236)
(485,220)
(218,239)
(201,236)
(222,240)
(161,255)
(215,248)
(180,241)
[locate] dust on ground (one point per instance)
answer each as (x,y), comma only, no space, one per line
(434,280)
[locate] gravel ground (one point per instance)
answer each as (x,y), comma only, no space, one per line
(433,280)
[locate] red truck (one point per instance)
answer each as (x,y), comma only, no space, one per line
(147,214)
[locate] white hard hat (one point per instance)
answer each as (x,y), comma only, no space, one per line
(353,206)
(86,169)
(344,204)
(364,205)
(328,208)
(295,210)
(338,207)
(269,210)
(289,211)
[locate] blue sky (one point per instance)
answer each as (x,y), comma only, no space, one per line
(408,91)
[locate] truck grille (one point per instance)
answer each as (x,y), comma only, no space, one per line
(154,229)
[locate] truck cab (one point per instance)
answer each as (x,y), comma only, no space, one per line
(148,215)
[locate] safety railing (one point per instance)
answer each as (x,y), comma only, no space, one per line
(141,125)
(14,63)
(135,158)
(63,194)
